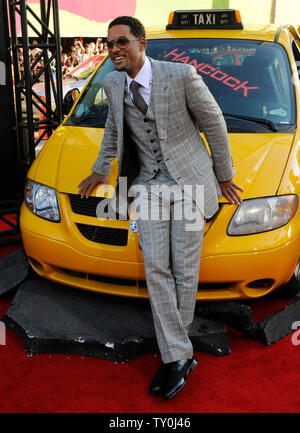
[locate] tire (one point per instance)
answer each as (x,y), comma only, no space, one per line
(291,289)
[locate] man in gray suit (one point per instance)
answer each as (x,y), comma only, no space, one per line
(160,106)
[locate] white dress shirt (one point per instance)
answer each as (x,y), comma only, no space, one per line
(144,78)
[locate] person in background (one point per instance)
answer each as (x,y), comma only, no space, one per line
(35,51)
(104,50)
(87,52)
(38,65)
(77,42)
(79,53)
(80,49)
(21,62)
(99,46)
(72,60)
(64,67)
(93,46)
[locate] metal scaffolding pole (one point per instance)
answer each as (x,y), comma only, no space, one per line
(27,117)
(49,105)
(10,179)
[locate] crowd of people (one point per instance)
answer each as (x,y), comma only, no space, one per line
(77,53)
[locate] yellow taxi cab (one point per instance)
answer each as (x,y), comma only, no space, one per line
(248,250)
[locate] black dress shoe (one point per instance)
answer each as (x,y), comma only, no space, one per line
(157,385)
(177,374)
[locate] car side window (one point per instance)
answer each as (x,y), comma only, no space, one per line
(100,97)
(92,107)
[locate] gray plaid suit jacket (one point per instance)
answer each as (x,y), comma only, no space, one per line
(183,105)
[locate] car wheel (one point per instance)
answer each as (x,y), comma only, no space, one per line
(291,289)
(293,286)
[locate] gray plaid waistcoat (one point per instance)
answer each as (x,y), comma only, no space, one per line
(143,132)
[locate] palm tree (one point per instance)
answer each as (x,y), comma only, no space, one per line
(273,11)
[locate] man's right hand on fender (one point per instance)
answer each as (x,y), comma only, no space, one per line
(87,185)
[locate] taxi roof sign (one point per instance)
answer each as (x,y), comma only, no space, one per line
(205,19)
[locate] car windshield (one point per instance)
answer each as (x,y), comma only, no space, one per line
(250,80)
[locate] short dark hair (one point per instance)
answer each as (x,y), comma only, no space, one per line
(136,27)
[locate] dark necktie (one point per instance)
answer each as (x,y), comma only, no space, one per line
(138,100)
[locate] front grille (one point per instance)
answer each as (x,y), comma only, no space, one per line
(207,287)
(104,235)
(84,206)
(88,207)
(105,279)
(112,280)
(142,283)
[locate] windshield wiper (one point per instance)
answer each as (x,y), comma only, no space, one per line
(81,119)
(267,122)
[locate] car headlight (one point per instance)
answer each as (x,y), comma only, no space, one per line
(42,200)
(262,214)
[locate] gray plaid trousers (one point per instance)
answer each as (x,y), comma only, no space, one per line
(172,259)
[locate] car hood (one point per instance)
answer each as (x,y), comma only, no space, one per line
(68,156)
(259,162)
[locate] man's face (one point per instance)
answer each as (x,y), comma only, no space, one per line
(131,58)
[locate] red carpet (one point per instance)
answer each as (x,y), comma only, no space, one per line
(255,378)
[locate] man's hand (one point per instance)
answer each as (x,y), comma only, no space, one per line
(229,191)
(87,185)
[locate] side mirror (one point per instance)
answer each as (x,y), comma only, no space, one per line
(70,97)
